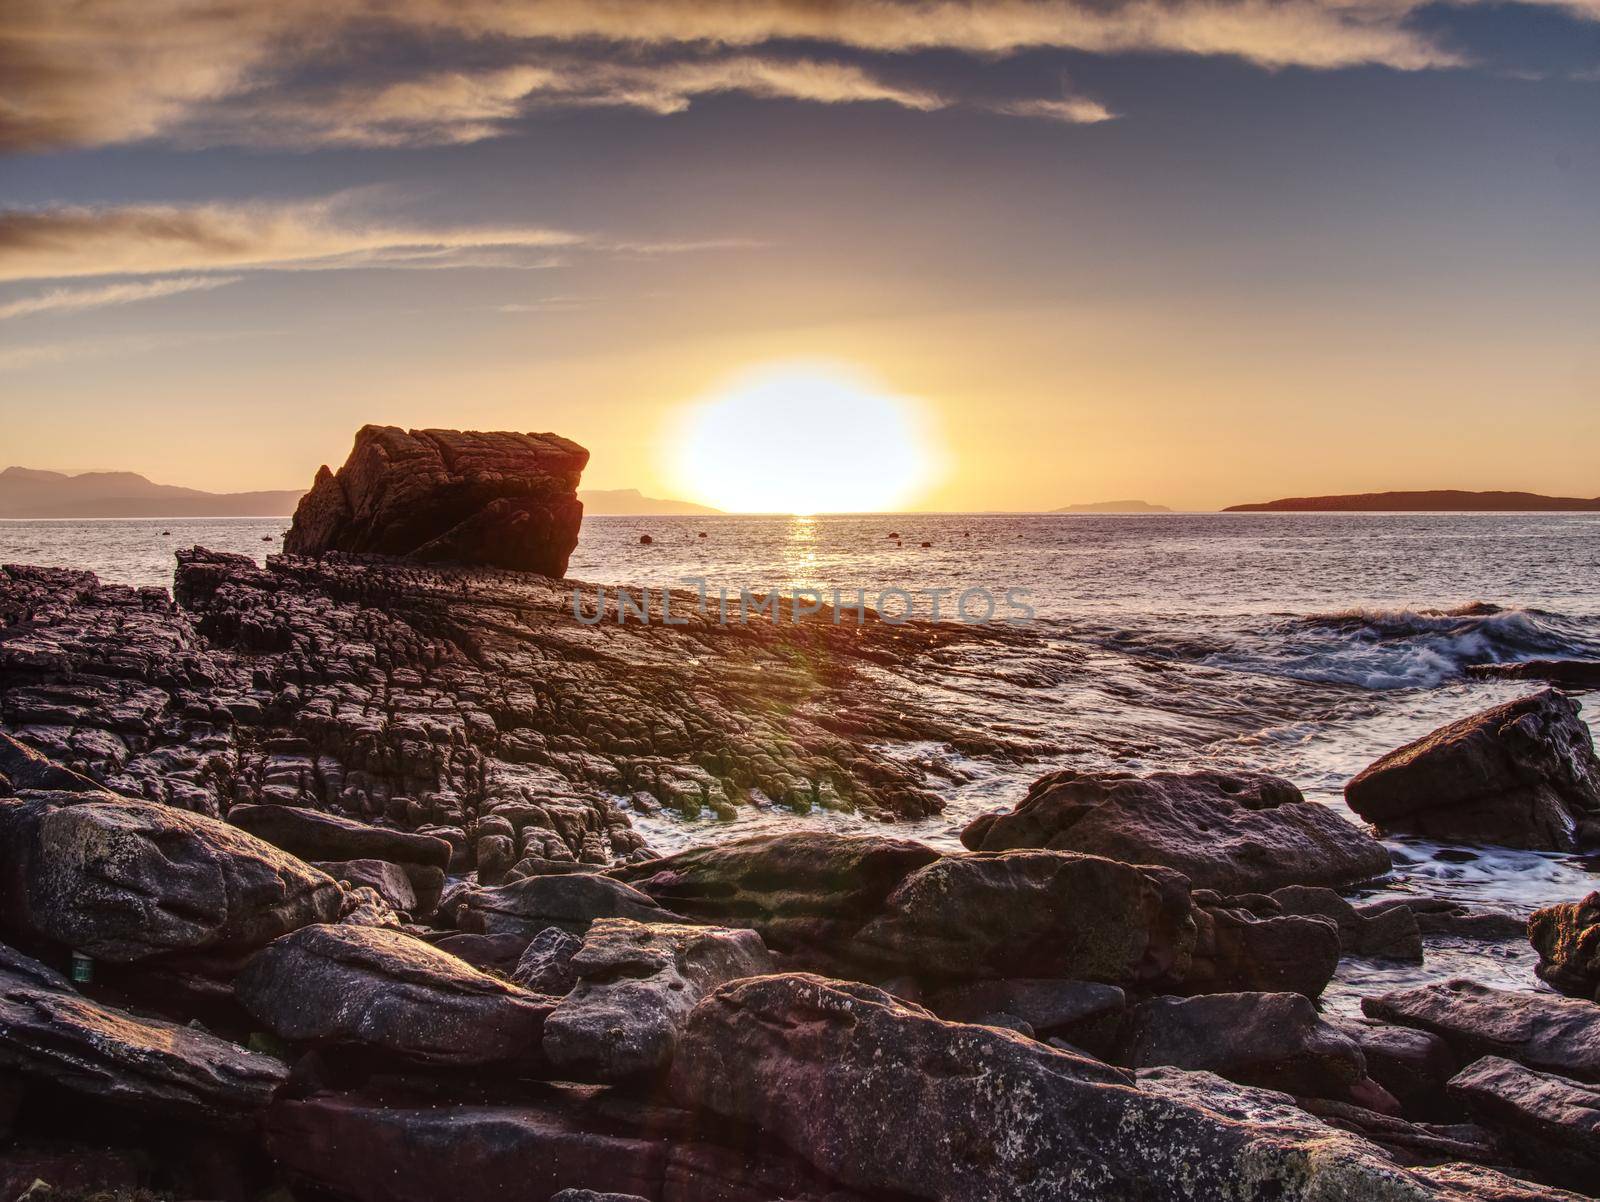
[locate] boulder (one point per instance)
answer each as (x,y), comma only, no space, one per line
(388,881)
(1389,934)
(882,1095)
(123,880)
(49,1031)
(316,836)
(571,902)
(1522,774)
(801,891)
(545,965)
(1033,913)
(1274,1040)
(1234,833)
(494,499)
(1554,1034)
(1567,938)
(375,988)
(1247,945)
(635,987)
(24,768)
(1551,1122)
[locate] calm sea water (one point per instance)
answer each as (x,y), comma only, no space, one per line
(1302,644)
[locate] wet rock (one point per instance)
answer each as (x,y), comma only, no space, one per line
(499,499)
(317,836)
(526,907)
(635,987)
(50,1032)
(394,1147)
(1033,913)
(383,989)
(1245,945)
(1554,1034)
(1567,938)
(1443,916)
(1551,1122)
(124,880)
(802,890)
(1390,934)
(1055,1126)
(1568,673)
(1522,774)
(1274,1040)
(545,965)
(1234,833)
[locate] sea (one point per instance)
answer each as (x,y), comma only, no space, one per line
(1301,644)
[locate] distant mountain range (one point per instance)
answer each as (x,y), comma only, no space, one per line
(1447,500)
(25,493)
(606,502)
(1113,507)
(28,493)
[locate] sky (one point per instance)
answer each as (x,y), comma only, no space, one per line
(1197,252)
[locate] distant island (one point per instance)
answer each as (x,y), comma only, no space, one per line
(609,502)
(1113,507)
(1448,500)
(29,493)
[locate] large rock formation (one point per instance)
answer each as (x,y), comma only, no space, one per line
(382,989)
(50,1032)
(1235,833)
(1522,774)
(461,496)
(884,1097)
(1554,1034)
(124,880)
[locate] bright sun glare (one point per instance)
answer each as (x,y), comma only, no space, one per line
(804,438)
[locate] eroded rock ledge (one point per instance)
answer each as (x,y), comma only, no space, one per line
(465,703)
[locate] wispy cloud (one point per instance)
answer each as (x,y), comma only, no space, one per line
(329,72)
(157,239)
(1071,110)
(72,300)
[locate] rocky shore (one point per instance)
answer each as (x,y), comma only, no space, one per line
(320,880)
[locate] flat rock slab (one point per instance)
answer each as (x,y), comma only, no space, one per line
(50,1031)
(1551,1034)
(124,880)
(802,890)
(571,902)
(1552,1122)
(1034,913)
(900,1088)
(1522,774)
(1234,833)
(313,835)
(635,987)
(382,989)
(449,1149)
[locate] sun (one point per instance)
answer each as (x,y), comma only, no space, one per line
(804,438)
